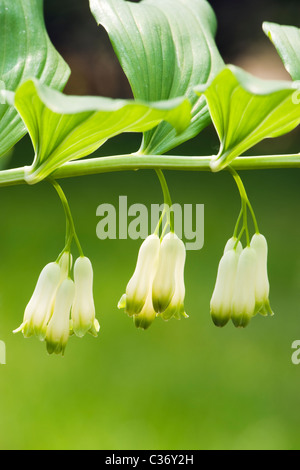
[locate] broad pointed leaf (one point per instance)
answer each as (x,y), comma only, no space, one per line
(246,110)
(286,39)
(64,128)
(25,51)
(166,48)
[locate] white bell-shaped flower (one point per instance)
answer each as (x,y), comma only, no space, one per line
(244,301)
(233,244)
(141,281)
(221,301)
(164,283)
(147,316)
(58,330)
(65,263)
(176,306)
(40,307)
(83,310)
(262,287)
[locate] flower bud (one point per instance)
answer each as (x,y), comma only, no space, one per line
(221,301)
(83,310)
(39,309)
(141,281)
(262,287)
(243,303)
(164,282)
(58,329)
(176,307)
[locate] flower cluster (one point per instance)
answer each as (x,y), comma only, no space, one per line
(60,306)
(242,286)
(157,285)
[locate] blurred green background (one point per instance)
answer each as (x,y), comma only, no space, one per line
(179,385)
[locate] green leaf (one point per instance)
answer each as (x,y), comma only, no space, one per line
(25,51)
(166,48)
(246,110)
(286,39)
(64,128)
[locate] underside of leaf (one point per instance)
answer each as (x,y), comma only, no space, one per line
(64,128)
(246,110)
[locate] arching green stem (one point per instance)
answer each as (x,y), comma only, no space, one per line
(167,198)
(71,232)
(131,162)
(235,233)
(245,202)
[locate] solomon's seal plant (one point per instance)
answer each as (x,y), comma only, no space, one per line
(180,85)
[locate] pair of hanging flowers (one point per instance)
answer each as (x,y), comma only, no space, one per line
(242,287)
(157,285)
